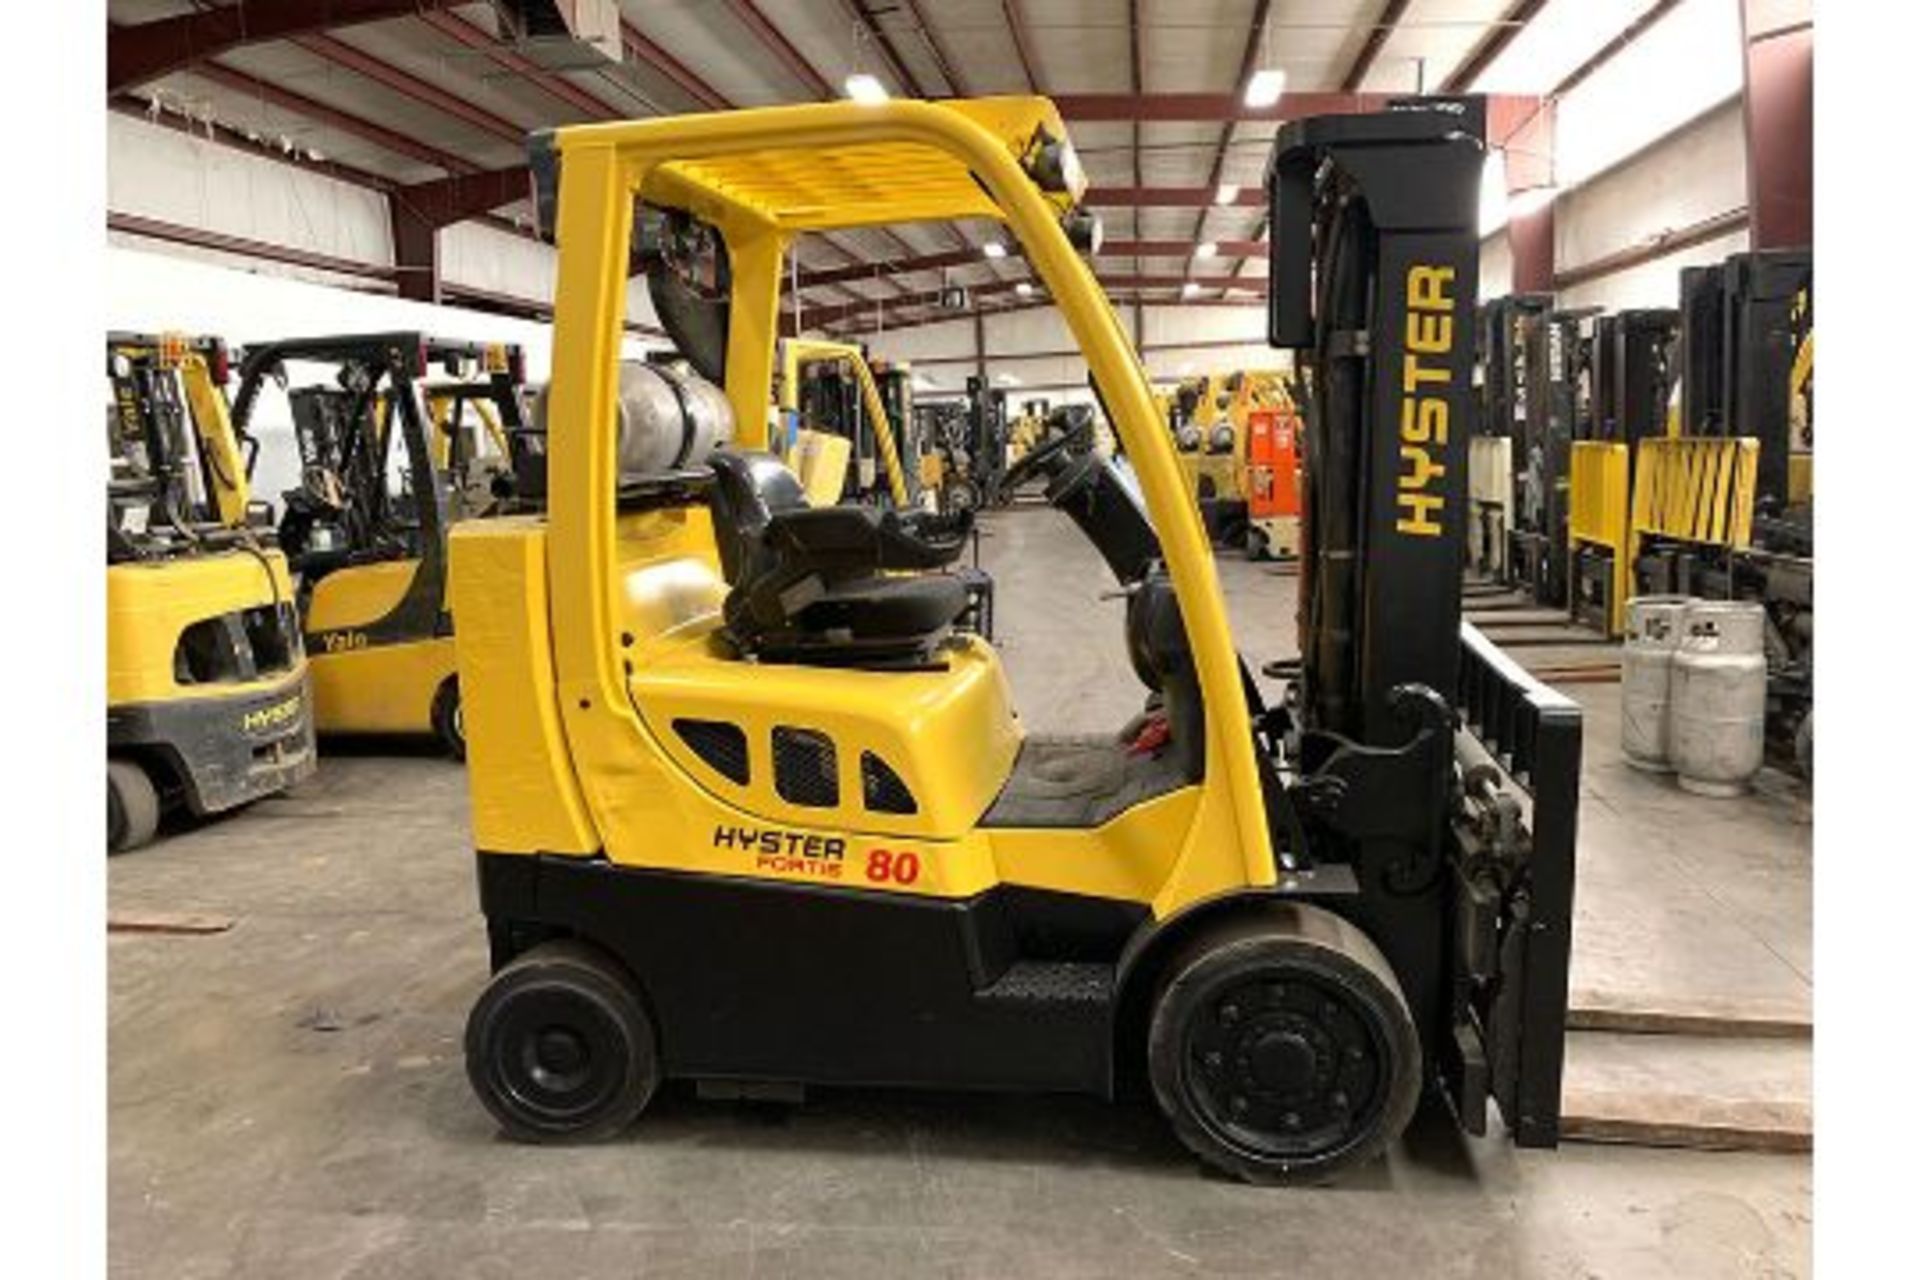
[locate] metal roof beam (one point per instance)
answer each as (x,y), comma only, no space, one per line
(149,50)
(1489,48)
(1377,37)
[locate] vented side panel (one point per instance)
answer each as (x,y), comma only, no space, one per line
(805,769)
(882,788)
(720,744)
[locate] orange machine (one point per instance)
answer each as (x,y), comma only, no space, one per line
(1273,483)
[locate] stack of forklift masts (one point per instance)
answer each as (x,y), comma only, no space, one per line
(1660,451)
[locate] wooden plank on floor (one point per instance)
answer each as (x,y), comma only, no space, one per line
(1683,1120)
(191,923)
(1700,1016)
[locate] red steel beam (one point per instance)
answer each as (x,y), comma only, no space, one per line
(1492,46)
(1202,108)
(1016,15)
(200,237)
(942,56)
(641,49)
(969,257)
(459,30)
(1165,197)
(359,127)
(1778,111)
(903,76)
(149,50)
(1628,34)
(769,35)
(408,85)
(129,105)
(1249,56)
(829,315)
(1377,37)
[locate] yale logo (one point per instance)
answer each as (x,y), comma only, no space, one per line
(1424,383)
(343,641)
(270,717)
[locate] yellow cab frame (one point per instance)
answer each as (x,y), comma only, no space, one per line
(664,906)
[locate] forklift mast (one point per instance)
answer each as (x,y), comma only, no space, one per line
(1375,273)
(1633,372)
(1742,324)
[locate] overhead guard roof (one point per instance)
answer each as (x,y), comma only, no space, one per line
(805,187)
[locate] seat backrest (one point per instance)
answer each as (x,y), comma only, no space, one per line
(749,489)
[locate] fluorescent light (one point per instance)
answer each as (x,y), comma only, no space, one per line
(1264,89)
(1191,289)
(1024,289)
(1007,379)
(994,249)
(1207,250)
(1226,193)
(867,89)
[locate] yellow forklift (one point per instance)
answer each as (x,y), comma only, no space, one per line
(207,704)
(751,812)
(366,529)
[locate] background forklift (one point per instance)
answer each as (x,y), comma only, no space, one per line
(496,408)
(751,812)
(207,703)
(366,530)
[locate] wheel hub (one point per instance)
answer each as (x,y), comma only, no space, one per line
(1285,1068)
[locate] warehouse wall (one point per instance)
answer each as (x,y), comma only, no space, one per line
(1694,174)
(156,171)
(1175,341)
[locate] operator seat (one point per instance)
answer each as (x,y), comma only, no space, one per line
(809,584)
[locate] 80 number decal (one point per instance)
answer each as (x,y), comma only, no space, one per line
(885,866)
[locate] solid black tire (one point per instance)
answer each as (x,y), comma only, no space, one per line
(133,806)
(1285,943)
(569,989)
(449,722)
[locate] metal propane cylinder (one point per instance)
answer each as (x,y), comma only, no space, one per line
(1719,697)
(1654,626)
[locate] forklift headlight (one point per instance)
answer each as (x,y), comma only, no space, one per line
(1085,231)
(1054,166)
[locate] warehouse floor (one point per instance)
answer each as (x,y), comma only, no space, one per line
(287,1096)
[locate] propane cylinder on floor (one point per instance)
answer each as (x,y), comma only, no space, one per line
(1718,707)
(1654,625)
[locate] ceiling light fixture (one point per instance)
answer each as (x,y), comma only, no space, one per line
(1265,87)
(1191,289)
(1226,193)
(866,89)
(1207,250)
(994,249)
(1024,289)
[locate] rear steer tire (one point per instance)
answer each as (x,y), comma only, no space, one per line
(1281,1048)
(449,720)
(560,1047)
(133,806)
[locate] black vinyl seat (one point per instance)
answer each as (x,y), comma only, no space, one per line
(821,584)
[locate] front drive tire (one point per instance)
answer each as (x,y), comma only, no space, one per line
(560,1048)
(1281,1049)
(133,806)
(449,721)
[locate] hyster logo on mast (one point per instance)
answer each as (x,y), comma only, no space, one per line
(1423,400)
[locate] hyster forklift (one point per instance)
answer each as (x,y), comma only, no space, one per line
(751,813)
(207,704)
(366,530)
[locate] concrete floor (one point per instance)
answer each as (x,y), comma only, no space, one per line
(287,1098)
